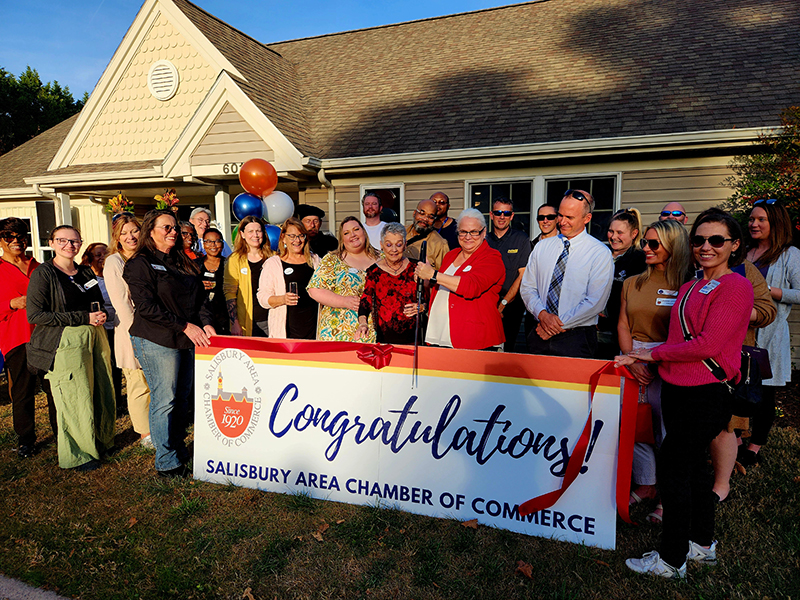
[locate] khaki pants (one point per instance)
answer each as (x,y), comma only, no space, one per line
(138,400)
(84,395)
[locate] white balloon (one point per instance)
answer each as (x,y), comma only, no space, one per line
(277,208)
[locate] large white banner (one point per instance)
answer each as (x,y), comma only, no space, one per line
(478,434)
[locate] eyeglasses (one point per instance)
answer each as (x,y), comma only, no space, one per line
(186,233)
(470,234)
(442,203)
(715,241)
(295,236)
(502,213)
(672,213)
(547,217)
(167,228)
(771,201)
(424,215)
(577,195)
(64,242)
(212,242)
(10,237)
(654,244)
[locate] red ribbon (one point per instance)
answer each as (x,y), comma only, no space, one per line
(627,428)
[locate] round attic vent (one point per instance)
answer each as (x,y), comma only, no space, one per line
(163,80)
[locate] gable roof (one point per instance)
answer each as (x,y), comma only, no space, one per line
(554,70)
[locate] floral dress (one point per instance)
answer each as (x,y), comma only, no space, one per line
(385,296)
(339,324)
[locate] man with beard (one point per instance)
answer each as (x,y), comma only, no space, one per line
(371,205)
(320,243)
(445,226)
(422,230)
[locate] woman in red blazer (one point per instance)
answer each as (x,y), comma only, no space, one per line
(466,291)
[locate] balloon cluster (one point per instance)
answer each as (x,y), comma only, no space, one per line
(259,178)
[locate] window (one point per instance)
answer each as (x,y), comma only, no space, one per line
(392,205)
(482,195)
(603,189)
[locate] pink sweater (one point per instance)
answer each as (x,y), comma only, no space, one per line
(718,323)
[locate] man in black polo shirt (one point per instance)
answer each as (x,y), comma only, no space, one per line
(515,248)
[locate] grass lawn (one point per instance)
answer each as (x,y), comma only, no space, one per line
(122,532)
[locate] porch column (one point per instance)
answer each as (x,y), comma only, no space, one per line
(63,209)
(222,208)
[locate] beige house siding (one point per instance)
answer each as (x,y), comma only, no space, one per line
(92,221)
(696,188)
(348,203)
(134,125)
(424,190)
(230,139)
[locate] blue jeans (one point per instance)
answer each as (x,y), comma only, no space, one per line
(170,375)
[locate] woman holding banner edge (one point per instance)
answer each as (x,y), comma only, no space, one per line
(696,404)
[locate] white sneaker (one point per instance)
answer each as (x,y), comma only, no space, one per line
(652,564)
(707,556)
(147,442)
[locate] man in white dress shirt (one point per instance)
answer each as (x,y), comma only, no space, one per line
(567,283)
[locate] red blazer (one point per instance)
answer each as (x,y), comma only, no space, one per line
(475,322)
(14,327)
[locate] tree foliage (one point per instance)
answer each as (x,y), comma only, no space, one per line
(28,107)
(772,171)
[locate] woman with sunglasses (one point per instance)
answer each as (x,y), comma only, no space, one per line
(696,404)
(70,345)
(15,332)
(547,220)
(282,286)
(125,230)
(338,283)
(169,320)
(465,293)
(212,267)
(645,305)
(770,249)
(242,272)
(189,236)
(624,234)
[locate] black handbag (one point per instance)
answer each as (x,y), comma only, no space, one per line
(748,390)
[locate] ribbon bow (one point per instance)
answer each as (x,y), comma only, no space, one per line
(378,355)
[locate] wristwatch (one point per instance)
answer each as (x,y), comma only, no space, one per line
(504,302)
(433,279)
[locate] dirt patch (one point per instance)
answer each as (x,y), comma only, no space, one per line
(787,404)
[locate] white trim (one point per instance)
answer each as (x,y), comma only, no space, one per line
(127,49)
(605,146)
(25,193)
(177,163)
(362,189)
(96,178)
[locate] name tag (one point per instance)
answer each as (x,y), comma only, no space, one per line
(513,250)
(209,274)
(159,267)
(244,270)
(288,270)
(707,288)
(90,284)
(352,270)
(468,268)
(666,301)
(668,293)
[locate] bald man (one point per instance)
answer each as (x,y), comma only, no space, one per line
(674,211)
(422,230)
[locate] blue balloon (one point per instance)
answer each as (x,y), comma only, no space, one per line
(245,205)
(274,234)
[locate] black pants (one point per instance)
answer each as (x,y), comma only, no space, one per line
(580,342)
(763,416)
(22,389)
(512,319)
(693,417)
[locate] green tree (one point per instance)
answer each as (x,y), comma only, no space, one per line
(771,171)
(28,107)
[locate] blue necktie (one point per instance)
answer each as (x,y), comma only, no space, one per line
(555,283)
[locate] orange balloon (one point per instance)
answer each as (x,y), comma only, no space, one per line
(258,177)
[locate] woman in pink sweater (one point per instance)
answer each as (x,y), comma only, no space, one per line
(696,404)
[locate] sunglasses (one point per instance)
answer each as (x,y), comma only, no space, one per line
(672,213)
(771,201)
(541,218)
(715,241)
(577,195)
(502,213)
(653,244)
(10,237)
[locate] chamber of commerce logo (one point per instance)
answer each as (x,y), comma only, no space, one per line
(232,415)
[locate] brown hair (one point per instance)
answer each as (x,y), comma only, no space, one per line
(146,241)
(240,245)
(715,215)
(88,257)
(117,223)
(780,232)
(283,250)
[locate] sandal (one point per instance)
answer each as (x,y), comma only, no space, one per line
(635,499)
(657,516)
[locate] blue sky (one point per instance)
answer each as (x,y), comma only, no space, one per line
(73,41)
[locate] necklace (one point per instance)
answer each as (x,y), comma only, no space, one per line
(391,270)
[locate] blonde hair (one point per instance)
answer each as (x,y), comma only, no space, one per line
(118,222)
(675,240)
(283,250)
(368,249)
(633,218)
